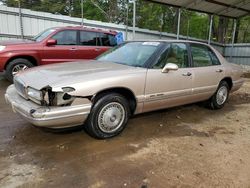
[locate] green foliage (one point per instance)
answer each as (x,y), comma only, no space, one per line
(149,15)
(244,29)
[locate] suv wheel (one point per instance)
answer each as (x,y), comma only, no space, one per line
(15,66)
(220,97)
(108,117)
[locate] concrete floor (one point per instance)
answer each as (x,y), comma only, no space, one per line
(188,146)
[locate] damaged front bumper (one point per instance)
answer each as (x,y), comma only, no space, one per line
(47,116)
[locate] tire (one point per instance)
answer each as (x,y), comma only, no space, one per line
(14,65)
(218,100)
(111,108)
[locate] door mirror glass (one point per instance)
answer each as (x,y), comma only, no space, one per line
(169,66)
(51,42)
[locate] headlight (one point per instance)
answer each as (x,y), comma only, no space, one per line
(2,48)
(35,94)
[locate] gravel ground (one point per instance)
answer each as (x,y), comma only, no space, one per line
(187,146)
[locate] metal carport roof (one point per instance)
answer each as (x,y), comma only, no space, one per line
(234,9)
(228,8)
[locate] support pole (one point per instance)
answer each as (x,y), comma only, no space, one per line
(82,11)
(233,38)
(127,22)
(210,29)
(20,19)
(178,25)
(188,28)
(134,16)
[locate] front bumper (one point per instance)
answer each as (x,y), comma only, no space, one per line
(47,116)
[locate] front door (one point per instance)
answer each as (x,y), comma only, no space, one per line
(172,88)
(65,49)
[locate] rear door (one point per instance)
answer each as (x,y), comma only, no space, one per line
(64,51)
(88,47)
(93,44)
(207,70)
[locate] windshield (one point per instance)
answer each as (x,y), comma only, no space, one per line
(132,53)
(43,35)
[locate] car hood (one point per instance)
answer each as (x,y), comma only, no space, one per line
(69,74)
(15,42)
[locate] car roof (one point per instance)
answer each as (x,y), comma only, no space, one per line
(170,41)
(87,28)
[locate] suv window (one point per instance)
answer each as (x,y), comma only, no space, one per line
(107,39)
(68,37)
(203,56)
(88,38)
(177,53)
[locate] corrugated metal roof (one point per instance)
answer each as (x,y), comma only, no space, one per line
(228,8)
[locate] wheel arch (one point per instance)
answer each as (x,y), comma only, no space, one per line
(31,58)
(126,92)
(229,82)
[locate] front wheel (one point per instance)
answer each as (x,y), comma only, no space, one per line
(108,116)
(15,66)
(218,100)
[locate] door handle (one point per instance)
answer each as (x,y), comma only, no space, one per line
(73,49)
(187,74)
(97,49)
(219,70)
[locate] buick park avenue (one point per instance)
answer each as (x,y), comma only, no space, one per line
(132,78)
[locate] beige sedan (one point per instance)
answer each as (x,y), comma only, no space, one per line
(132,78)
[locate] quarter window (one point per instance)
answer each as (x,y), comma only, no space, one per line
(89,38)
(68,37)
(214,58)
(107,40)
(177,53)
(203,56)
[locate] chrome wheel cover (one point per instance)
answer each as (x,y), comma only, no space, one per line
(111,117)
(18,68)
(222,95)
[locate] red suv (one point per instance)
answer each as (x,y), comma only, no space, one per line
(54,45)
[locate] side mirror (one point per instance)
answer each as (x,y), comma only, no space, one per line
(51,42)
(169,66)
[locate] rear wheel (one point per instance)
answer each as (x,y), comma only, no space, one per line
(15,66)
(218,100)
(108,116)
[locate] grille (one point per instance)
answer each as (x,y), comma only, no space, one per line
(20,87)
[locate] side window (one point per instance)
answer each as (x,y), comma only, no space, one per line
(177,54)
(203,56)
(107,39)
(89,38)
(68,37)
(214,58)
